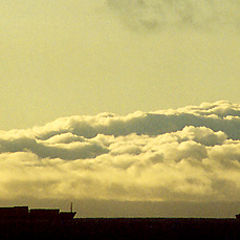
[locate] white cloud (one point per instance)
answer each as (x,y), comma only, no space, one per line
(220,116)
(187,154)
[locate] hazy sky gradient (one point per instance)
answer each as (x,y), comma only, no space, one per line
(60,58)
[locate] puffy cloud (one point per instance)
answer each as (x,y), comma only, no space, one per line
(220,116)
(186,154)
(160,14)
(69,151)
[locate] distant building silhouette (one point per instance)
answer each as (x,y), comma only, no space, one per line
(21,223)
(23,213)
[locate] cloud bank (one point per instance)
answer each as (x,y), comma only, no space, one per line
(161,14)
(186,154)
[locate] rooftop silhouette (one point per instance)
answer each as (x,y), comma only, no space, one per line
(24,213)
(20,221)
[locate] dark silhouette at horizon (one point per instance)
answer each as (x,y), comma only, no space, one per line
(20,221)
(25,214)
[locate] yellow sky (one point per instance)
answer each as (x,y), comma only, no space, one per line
(70,57)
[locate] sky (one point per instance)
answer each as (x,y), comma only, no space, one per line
(63,58)
(126,108)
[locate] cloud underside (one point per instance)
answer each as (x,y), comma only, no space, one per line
(185,154)
(159,14)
